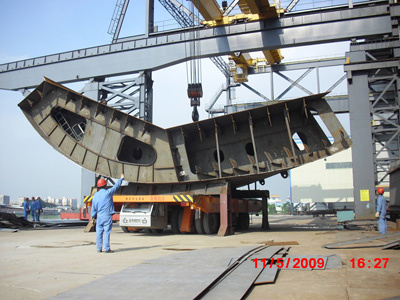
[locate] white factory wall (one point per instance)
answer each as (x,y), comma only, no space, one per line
(325,180)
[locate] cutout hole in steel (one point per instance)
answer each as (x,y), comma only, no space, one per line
(136,152)
(221,155)
(300,140)
(250,149)
(73,124)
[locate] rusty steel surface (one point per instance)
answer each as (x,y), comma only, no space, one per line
(238,148)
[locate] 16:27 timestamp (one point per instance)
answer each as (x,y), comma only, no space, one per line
(377,263)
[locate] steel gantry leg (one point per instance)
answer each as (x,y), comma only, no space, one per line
(265,222)
(225,212)
(360,125)
(372,73)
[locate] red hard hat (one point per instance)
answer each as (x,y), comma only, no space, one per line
(101,182)
(380,191)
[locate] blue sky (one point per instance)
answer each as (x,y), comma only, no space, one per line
(29,166)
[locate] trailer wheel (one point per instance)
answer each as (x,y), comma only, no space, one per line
(130,229)
(243,221)
(175,224)
(125,229)
(198,222)
(156,230)
(211,223)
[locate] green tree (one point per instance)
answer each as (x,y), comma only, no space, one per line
(286,208)
(46,204)
(271,209)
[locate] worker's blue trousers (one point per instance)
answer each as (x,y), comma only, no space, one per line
(103,226)
(382,225)
(26,215)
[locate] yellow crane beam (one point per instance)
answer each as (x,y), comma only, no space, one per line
(273,56)
(252,10)
(261,7)
(209,9)
(239,65)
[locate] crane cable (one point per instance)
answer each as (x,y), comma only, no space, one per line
(193,67)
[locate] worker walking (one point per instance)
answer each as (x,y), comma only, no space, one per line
(381,211)
(102,211)
(26,208)
(32,209)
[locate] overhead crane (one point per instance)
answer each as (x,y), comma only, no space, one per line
(252,10)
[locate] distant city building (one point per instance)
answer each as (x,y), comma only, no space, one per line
(21,200)
(65,201)
(74,203)
(4,199)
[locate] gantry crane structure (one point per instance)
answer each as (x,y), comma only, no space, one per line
(371,68)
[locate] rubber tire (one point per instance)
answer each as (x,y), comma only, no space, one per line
(175,224)
(243,221)
(156,230)
(198,222)
(211,223)
(135,230)
(125,229)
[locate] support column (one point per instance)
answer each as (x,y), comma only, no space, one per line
(146,97)
(149,18)
(265,222)
(362,149)
(225,205)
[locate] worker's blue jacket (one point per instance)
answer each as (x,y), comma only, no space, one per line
(32,207)
(37,205)
(26,205)
(102,203)
(381,206)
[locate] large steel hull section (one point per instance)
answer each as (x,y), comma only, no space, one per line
(238,148)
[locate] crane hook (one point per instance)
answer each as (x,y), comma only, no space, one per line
(195,114)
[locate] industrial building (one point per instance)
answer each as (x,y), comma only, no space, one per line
(329,180)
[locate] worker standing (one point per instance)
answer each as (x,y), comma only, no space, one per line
(381,211)
(32,209)
(102,211)
(38,208)
(26,208)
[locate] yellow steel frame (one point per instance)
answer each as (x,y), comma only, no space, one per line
(252,10)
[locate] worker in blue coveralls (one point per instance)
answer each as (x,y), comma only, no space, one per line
(32,209)
(38,208)
(102,212)
(26,208)
(381,211)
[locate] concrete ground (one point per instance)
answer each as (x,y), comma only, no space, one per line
(41,263)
